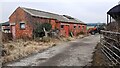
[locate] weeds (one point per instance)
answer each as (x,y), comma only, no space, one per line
(46,39)
(17,49)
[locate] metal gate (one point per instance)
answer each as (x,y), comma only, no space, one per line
(110,42)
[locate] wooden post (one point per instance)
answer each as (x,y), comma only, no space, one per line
(45,32)
(110,19)
(107,19)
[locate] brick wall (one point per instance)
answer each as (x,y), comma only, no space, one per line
(58,25)
(17,17)
(20,16)
(53,23)
(74,30)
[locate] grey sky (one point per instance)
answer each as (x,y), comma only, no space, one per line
(88,11)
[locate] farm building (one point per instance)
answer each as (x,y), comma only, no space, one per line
(22,20)
(113,18)
(5,27)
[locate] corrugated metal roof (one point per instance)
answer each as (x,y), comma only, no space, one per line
(5,24)
(44,14)
(72,19)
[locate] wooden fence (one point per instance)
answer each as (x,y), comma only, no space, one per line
(110,42)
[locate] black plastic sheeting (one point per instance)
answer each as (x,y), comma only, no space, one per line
(114,12)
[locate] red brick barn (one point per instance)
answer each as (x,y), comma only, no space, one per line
(22,19)
(74,25)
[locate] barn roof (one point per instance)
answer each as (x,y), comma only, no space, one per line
(72,19)
(39,13)
(115,11)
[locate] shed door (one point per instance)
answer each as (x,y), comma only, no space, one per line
(66,30)
(13,31)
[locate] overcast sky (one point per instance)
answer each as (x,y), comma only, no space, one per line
(88,11)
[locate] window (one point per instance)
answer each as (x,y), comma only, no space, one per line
(74,27)
(62,26)
(22,25)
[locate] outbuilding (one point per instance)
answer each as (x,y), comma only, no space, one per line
(22,19)
(5,27)
(113,18)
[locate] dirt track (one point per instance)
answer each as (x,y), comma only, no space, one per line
(74,53)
